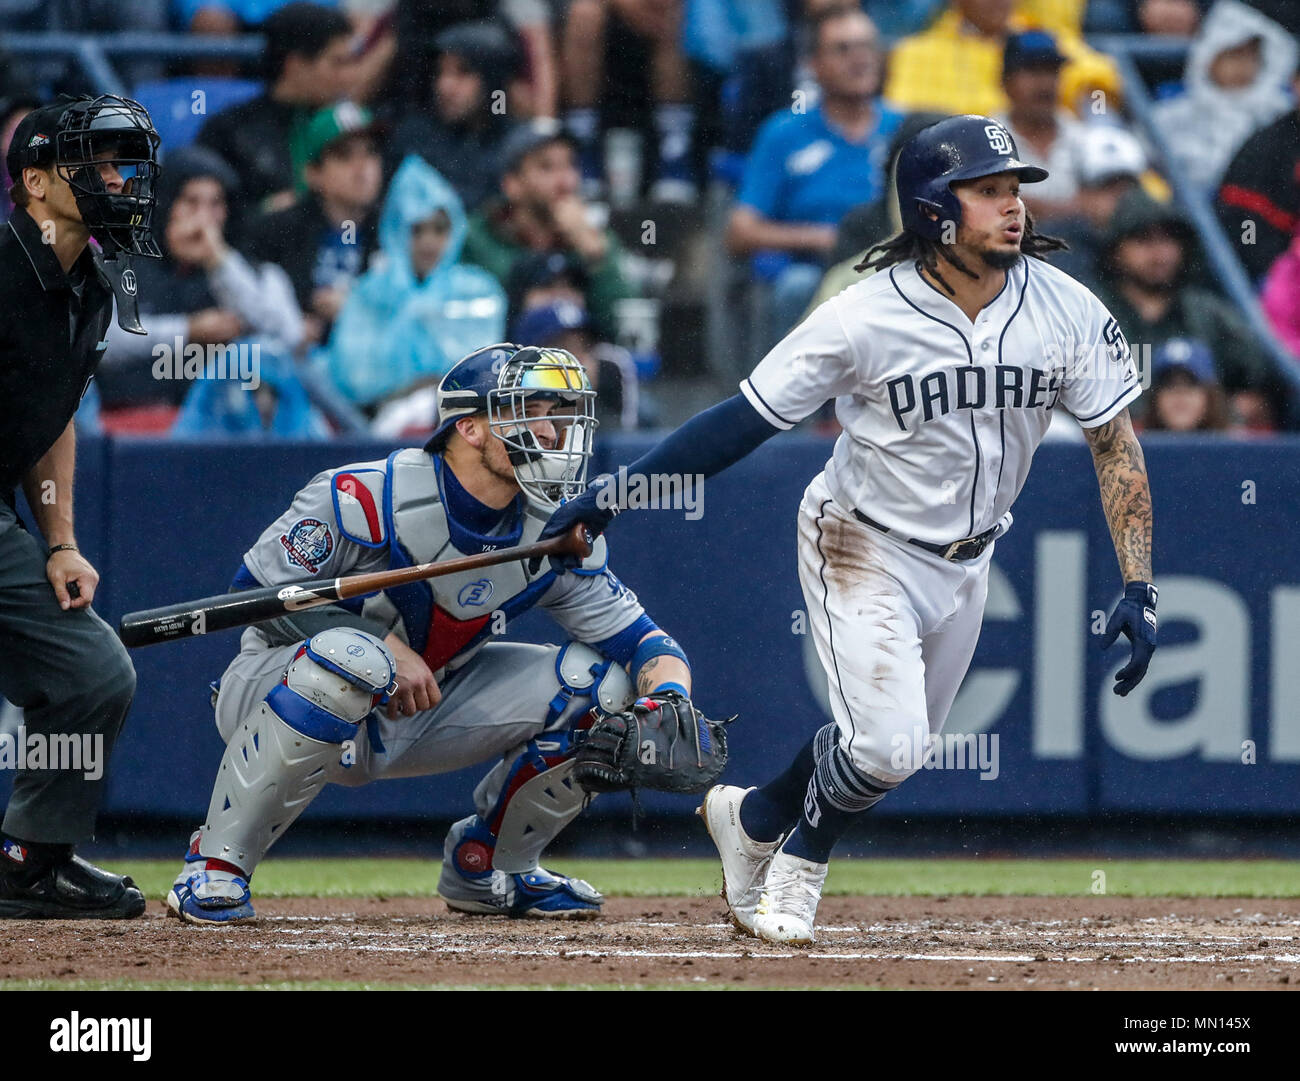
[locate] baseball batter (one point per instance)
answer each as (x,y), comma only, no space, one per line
(299,707)
(945,366)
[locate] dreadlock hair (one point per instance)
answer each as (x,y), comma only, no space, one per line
(924,252)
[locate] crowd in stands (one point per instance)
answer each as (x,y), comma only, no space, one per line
(394,183)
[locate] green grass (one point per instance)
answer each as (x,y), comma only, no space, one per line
(883,877)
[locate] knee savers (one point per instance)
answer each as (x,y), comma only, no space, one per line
(335,680)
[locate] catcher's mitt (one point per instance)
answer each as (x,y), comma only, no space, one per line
(661,742)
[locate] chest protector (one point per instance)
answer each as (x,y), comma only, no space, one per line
(447,619)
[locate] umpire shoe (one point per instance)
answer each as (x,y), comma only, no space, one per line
(65,887)
(788,908)
(744,860)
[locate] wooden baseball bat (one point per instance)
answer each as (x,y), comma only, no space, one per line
(226,610)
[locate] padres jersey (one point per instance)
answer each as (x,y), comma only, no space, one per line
(391,513)
(941,416)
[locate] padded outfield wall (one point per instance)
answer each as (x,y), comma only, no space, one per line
(1215,728)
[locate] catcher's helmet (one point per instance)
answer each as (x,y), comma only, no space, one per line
(958,148)
(499,380)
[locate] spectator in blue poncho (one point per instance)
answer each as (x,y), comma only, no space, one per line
(267,402)
(418,309)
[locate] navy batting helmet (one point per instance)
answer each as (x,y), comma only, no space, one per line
(465,388)
(499,380)
(958,148)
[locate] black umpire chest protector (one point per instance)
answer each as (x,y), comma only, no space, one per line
(50,343)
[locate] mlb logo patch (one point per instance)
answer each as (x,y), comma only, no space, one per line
(15,851)
(308,544)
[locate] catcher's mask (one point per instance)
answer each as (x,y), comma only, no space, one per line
(115,131)
(547,475)
(501,380)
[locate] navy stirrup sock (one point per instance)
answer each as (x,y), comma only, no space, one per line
(767,812)
(837,793)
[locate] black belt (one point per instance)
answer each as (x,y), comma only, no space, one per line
(958,551)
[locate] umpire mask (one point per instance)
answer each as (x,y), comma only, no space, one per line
(114,131)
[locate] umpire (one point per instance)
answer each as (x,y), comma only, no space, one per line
(80,168)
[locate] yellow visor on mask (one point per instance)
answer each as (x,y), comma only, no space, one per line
(556,372)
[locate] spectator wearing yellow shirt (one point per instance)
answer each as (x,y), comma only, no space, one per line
(956,65)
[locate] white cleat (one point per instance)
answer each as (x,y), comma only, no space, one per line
(744,860)
(787,909)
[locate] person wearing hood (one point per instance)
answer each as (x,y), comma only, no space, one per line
(418,308)
(1235,83)
(201,292)
(1144,262)
(460,128)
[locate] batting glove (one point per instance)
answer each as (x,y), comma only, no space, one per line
(590,509)
(1135,616)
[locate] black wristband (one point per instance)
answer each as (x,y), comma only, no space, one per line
(61,548)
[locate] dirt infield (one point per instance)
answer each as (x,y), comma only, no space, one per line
(996,943)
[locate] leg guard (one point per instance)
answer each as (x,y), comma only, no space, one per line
(525,801)
(275,764)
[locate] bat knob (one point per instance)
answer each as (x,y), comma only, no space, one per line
(580,540)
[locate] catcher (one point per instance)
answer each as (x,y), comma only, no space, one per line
(409,682)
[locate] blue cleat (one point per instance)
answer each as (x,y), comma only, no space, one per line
(535,894)
(211,898)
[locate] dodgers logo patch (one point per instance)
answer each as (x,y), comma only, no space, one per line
(308,544)
(475,594)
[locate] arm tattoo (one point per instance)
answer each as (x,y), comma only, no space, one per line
(646,681)
(1125,494)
